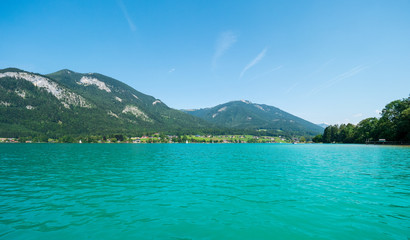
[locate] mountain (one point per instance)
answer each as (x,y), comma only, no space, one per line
(66,102)
(246,115)
(71,103)
(323,125)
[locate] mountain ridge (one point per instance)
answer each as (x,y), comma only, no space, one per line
(68,102)
(247,115)
(323,125)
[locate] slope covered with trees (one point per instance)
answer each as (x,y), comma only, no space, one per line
(69,103)
(393,126)
(251,116)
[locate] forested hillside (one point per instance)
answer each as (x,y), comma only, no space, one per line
(246,115)
(393,126)
(70,103)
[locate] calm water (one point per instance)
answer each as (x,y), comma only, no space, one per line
(204,191)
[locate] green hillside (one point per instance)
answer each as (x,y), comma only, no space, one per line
(71,103)
(247,115)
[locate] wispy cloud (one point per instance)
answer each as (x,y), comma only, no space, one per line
(322,67)
(224,42)
(291,88)
(253,62)
(267,72)
(127,16)
(352,72)
(358,115)
(171,70)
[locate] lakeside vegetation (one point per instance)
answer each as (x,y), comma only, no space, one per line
(393,126)
(70,105)
(74,107)
(155,138)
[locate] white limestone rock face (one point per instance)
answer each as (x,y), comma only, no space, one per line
(6,104)
(29,107)
(222,109)
(112,114)
(75,99)
(136,112)
(219,110)
(118,99)
(87,81)
(21,93)
(260,107)
(66,97)
(155,102)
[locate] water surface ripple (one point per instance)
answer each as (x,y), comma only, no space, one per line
(204,191)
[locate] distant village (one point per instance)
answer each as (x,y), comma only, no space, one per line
(155,138)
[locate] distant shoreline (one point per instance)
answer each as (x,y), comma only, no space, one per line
(156,138)
(288,143)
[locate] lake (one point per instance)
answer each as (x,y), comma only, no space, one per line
(204,191)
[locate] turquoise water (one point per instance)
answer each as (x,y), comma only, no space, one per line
(204,191)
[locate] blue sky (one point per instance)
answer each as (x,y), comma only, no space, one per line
(324,61)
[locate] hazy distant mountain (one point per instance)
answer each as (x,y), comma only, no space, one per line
(323,125)
(66,102)
(246,115)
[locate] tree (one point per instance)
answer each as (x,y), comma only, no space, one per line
(119,137)
(403,126)
(334,131)
(327,136)
(366,130)
(318,138)
(394,123)
(346,133)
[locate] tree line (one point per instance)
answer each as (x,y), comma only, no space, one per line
(393,125)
